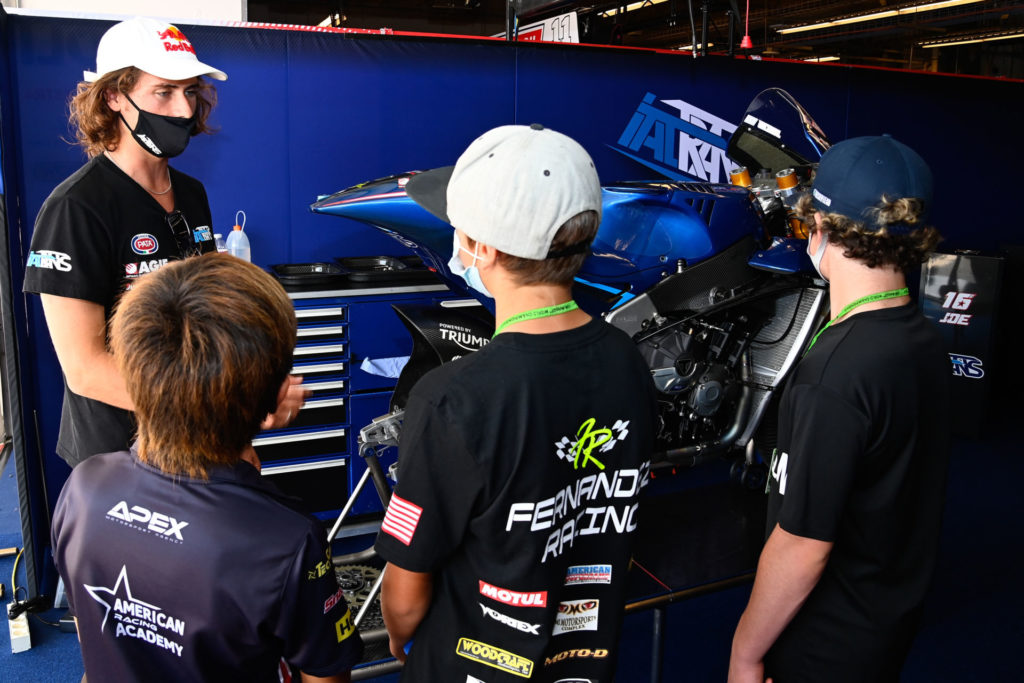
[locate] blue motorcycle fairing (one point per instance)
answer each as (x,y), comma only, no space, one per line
(785,255)
(647,228)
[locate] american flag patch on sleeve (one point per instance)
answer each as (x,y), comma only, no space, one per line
(401,519)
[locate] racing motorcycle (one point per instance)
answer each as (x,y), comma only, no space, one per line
(711,281)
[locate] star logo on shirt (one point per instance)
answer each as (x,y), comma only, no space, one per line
(109,596)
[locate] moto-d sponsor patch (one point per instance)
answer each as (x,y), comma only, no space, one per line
(576,615)
(578,653)
(494,657)
(588,573)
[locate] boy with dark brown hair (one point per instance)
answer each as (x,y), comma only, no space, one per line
(180,561)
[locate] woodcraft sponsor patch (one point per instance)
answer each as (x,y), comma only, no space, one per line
(494,657)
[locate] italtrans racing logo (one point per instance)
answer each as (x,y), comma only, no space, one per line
(494,657)
(678,140)
(966,366)
(145,520)
(174,40)
(49,260)
(135,618)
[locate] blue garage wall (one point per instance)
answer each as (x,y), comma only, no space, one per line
(307,113)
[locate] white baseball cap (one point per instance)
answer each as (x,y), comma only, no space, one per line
(152,45)
(513,188)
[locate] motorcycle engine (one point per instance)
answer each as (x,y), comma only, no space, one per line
(695,367)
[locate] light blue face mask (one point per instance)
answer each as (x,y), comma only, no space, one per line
(471,274)
(816,257)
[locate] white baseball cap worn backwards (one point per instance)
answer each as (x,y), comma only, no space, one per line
(515,186)
(512,189)
(153,46)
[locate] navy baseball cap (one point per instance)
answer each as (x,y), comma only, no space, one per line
(854,174)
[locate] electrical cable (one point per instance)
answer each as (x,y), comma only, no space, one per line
(31,605)
(14,572)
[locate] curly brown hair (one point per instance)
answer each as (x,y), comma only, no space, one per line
(96,124)
(558,271)
(204,345)
(896,238)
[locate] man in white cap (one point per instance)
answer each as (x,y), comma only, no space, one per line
(125,213)
(508,534)
(857,482)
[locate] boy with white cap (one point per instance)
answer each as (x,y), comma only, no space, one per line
(508,535)
(125,213)
(857,481)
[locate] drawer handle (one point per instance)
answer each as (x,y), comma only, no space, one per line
(326,348)
(301,467)
(318,312)
(316,331)
(323,367)
(295,438)
(323,386)
(323,403)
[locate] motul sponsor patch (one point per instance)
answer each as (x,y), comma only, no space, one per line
(504,595)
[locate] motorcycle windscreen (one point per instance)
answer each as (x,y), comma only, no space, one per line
(776,133)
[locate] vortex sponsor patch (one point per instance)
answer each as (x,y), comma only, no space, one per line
(494,657)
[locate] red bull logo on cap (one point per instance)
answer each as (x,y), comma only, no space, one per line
(174,40)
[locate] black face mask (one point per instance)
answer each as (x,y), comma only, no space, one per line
(161,136)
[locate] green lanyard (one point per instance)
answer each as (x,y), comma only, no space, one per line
(891,294)
(537,313)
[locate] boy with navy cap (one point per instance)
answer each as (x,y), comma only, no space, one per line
(508,535)
(857,482)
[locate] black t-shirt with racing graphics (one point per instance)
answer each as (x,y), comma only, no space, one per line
(95,234)
(519,475)
(861,463)
(174,578)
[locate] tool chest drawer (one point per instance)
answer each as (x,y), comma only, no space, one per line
(316,456)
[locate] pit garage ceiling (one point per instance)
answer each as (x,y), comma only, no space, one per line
(864,32)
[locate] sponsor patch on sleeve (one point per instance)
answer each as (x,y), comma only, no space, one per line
(576,615)
(344,627)
(588,573)
(401,519)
